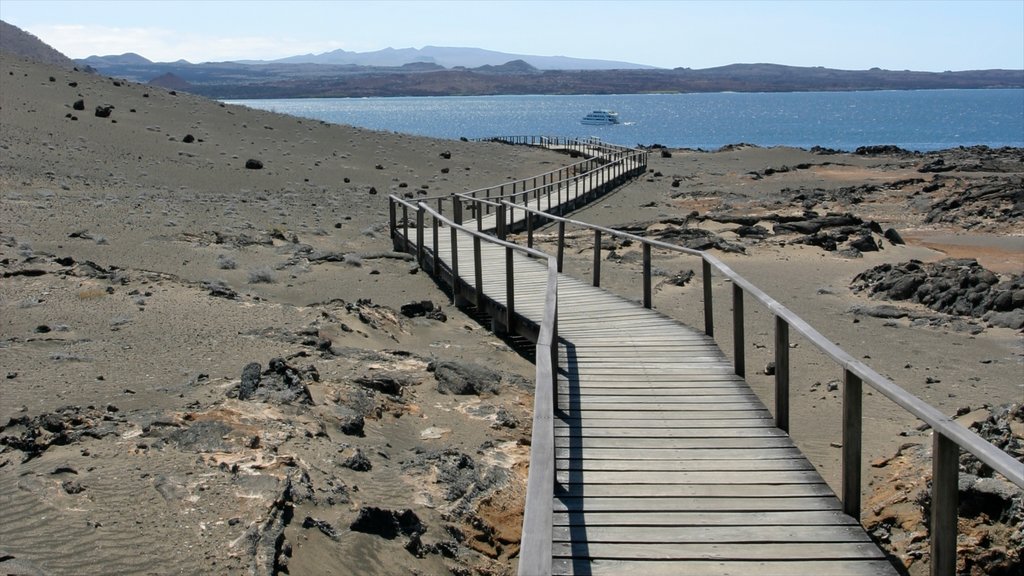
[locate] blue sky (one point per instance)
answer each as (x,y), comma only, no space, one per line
(896,35)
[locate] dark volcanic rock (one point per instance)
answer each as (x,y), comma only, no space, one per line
(387,523)
(386,382)
(279,383)
(104,111)
(458,378)
(358,462)
(253,164)
(960,287)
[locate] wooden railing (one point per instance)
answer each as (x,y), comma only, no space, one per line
(535,546)
(948,436)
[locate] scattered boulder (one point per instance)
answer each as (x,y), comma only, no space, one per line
(464,378)
(253,164)
(280,383)
(358,462)
(104,111)
(79,105)
(423,308)
(387,523)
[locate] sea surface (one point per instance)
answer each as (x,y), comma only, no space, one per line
(921,120)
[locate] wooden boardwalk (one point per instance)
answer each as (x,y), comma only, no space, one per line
(665,461)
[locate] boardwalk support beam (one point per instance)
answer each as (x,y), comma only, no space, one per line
(709,307)
(852,423)
(781,374)
(737,329)
(945,495)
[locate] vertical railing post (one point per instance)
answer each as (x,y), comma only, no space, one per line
(510,289)
(945,496)
(561,243)
(455,259)
(405,227)
(478,273)
(852,424)
(597,257)
(737,330)
(420,211)
(393,220)
(457,209)
(647,275)
(781,374)
(499,214)
(709,308)
(434,222)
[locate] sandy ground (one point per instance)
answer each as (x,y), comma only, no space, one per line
(140,346)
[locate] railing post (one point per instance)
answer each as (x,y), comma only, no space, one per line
(781,374)
(437,257)
(405,227)
(457,209)
(852,425)
(737,330)
(647,275)
(499,215)
(455,261)
(597,257)
(709,308)
(561,243)
(510,289)
(478,272)
(420,211)
(393,220)
(945,496)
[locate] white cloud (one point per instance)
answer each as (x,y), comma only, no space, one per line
(162,45)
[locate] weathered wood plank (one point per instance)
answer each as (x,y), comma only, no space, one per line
(733,496)
(686,477)
(669,443)
(604,567)
(602,432)
(686,465)
(660,518)
(735,454)
(666,504)
(789,551)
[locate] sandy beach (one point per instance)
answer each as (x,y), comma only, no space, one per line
(146,268)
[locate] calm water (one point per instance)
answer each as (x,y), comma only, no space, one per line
(915,120)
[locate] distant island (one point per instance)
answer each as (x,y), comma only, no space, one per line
(231,80)
(451,71)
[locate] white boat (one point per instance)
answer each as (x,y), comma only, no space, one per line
(600,117)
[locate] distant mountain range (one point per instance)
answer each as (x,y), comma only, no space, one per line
(449,57)
(441,71)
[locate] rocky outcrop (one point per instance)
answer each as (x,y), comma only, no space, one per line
(953,286)
(991,509)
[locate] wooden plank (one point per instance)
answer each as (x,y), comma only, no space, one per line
(684,454)
(719,534)
(673,407)
(668,423)
(668,399)
(585,414)
(707,505)
(748,465)
(602,432)
(686,477)
(720,551)
(660,518)
(606,567)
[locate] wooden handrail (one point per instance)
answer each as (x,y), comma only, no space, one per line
(535,544)
(949,437)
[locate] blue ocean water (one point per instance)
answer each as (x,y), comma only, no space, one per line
(920,120)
